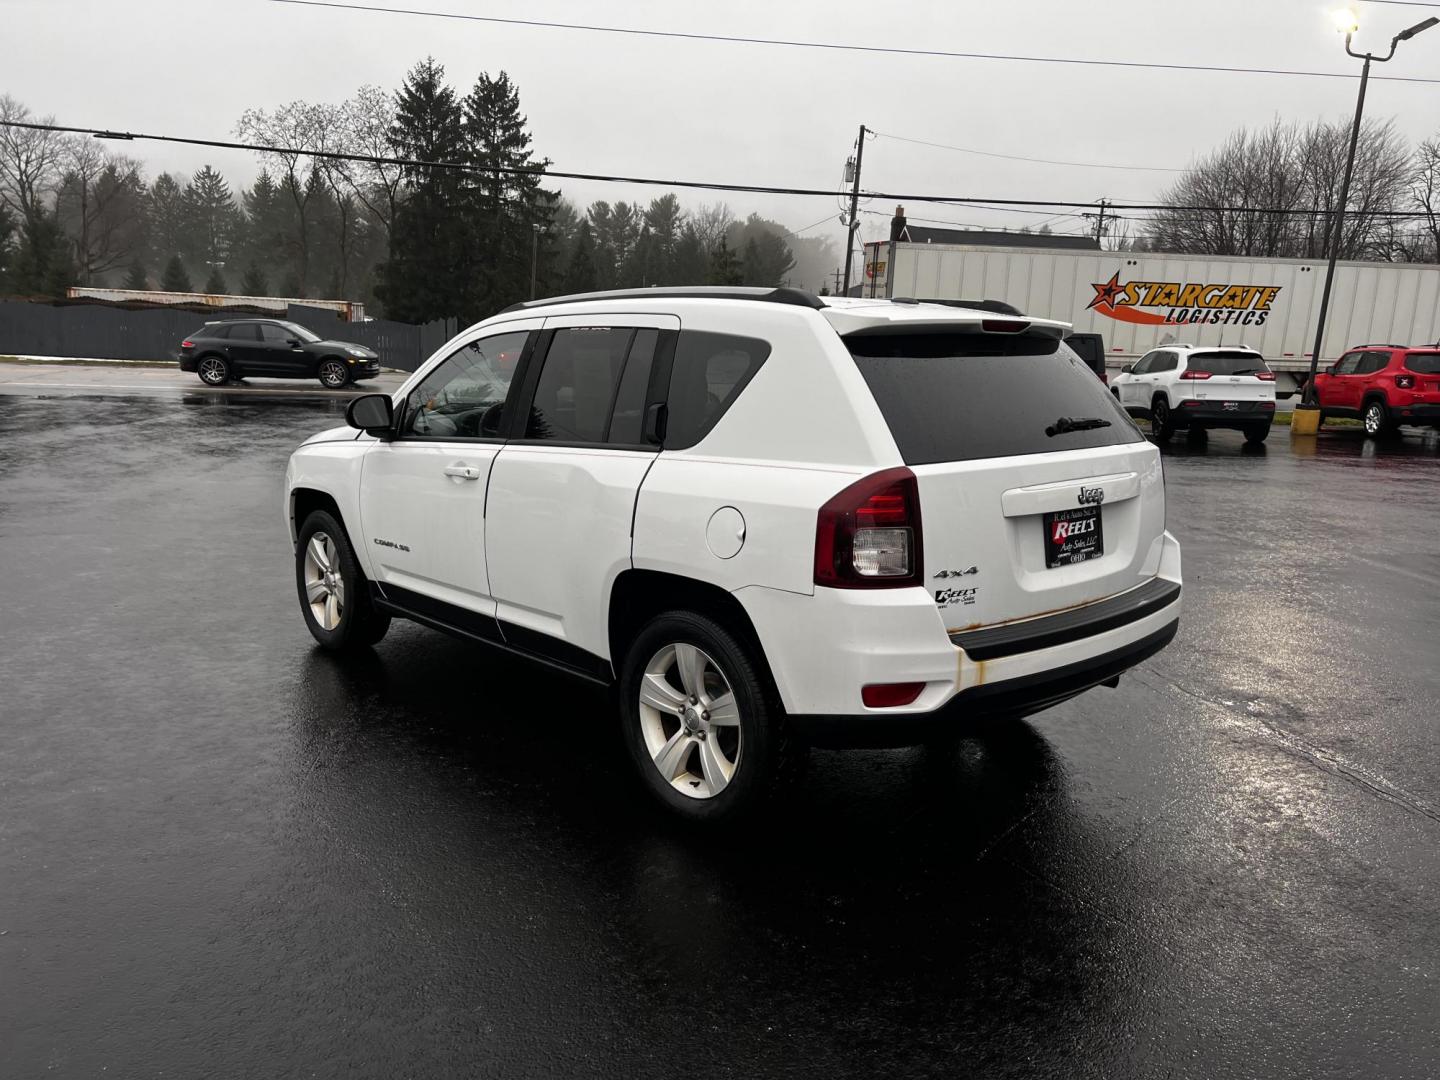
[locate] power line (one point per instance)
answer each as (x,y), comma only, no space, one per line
(1037,161)
(887,50)
(708,185)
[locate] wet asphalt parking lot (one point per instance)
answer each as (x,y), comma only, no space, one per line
(225,854)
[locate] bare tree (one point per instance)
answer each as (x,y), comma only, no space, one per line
(1274,192)
(291,132)
(711,223)
(29,161)
(368,118)
(1421,241)
(99,203)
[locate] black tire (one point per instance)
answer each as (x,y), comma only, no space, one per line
(1162,424)
(358,624)
(214,370)
(1255,434)
(1376,418)
(333,374)
(762,748)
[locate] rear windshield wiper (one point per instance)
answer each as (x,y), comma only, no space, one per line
(1248,371)
(1067,424)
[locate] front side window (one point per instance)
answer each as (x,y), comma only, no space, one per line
(464,397)
(1347,364)
(706,377)
(290,330)
(277,334)
(1142,367)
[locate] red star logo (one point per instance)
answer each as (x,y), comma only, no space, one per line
(1108,293)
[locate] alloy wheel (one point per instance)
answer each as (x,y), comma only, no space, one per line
(1374,419)
(324,583)
(212,370)
(690,721)
(333,374)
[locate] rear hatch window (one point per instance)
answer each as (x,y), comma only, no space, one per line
(1227,362)
(1424,363)
(961,396)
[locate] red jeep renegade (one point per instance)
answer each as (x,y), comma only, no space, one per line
(1383,385)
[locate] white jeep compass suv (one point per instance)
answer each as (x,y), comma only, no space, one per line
(767,518)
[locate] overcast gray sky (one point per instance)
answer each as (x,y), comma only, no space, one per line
(742,112)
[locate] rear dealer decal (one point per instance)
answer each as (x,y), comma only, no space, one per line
(1178,302)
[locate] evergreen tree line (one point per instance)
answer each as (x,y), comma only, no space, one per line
(416,243)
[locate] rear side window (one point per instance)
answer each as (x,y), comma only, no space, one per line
(1373,362)
(958,397)
(244,332)
(1425,363)
(1227,362)
(707,375)
(1165,361)
(585,381)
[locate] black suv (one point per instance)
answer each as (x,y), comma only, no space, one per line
(221,351)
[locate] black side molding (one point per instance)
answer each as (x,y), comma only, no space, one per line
(1067,626)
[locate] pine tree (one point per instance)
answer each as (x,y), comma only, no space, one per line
(580,274)
(43,266)
(210,216)
(663,219)
(135,279)
(291,288)
(165,208)
(724,267)
(254,283)
(215,283)
(175,279)
(690,266)
(640,267)
(7,230)
(505,199)
(265,223)
(429,270)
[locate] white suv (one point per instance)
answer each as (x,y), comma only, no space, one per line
(766,517)
(1185,386)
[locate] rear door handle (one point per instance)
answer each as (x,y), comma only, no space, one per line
(464,472)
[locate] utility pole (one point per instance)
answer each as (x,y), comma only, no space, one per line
(534,255)
(1100,225)
(854,208)
(837,281)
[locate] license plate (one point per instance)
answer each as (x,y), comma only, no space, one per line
(1232,406)
(1072,536)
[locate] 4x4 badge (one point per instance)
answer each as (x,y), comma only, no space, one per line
(958,573)
(1092,495)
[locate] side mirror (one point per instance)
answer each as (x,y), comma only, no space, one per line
(373,414)
(1331,369)
(1127,369)
(295,341)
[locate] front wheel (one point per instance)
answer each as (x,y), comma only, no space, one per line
(700,719)
(333,374)
(213,371)
(332,588)
(1162,424)
(1377,420)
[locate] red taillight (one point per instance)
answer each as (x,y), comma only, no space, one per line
(1265,376)
(1266,406)
(1191,373)
(187,344)
(1003,326)
(1405,382)
(868,536)
(890,694)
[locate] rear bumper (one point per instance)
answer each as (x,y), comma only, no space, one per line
(187,362)
(1419,413)
(823,649)
(1224,412)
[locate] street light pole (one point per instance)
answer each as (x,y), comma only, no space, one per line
(534,254)
(1337,226)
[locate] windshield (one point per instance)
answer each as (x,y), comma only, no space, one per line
(300,331)
(961,396)
(1228,362)
(1424,363)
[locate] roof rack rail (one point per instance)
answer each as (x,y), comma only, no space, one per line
(1380,345)
(782,295)
(999,307)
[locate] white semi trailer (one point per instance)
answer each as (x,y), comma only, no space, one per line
(1139,301)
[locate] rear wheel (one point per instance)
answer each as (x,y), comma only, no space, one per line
(1377,420)
(700,719)
(332,588)
(1162,424)
(333,374)
(1257,433)
(213,371)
